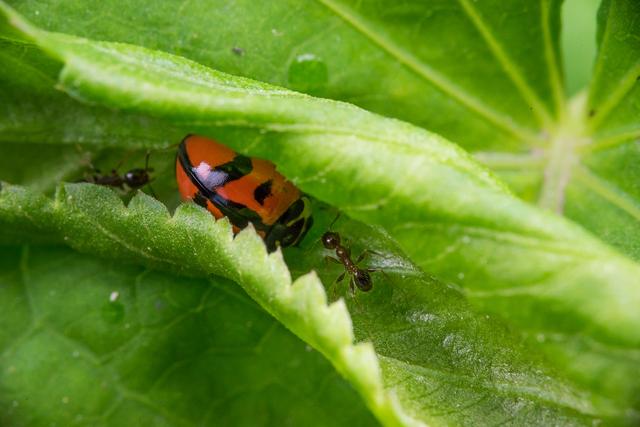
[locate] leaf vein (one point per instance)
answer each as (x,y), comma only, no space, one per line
(609,192)
(430,75)
(554,69)
(612,140)
(626,83)
(507,64)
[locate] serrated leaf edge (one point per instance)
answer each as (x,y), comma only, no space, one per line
(300,305)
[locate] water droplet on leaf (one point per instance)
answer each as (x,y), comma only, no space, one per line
(308,73)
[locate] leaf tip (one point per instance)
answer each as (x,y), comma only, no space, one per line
(250,242)
(308,292)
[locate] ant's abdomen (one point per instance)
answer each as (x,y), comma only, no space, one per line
(363,280)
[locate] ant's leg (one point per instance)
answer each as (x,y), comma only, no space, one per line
(355,295)
(362,256)
(366,253)
(334,220)
(85,158)
(332,259)
(378,270)
(90,175)
(352,287)
(334,286)
(153,193)
(118,166)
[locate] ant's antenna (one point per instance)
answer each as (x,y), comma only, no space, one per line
(146,162)
(147,169)
(334,220)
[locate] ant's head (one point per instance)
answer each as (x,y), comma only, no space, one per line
(137,178)
(331,240)
(362,278)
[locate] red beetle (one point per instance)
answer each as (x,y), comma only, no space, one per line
(244,189)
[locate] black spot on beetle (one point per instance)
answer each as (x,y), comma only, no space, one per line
(262,191)
(236,168)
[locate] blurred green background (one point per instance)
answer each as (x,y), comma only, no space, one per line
(579,41)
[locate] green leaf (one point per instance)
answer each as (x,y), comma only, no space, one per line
(368,50)
(434,352)
(89,342)
(93,219)
(614,91)
(418,182)
(501,96)
(558,285)
(578,42)
(607,182)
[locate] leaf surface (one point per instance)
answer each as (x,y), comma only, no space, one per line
(478,235)
(607,180)
(420,182)
(501,96)
(89,342)
(440,362)
(361,52)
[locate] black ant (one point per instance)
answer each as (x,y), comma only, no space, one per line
(131,180)
(359,277)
